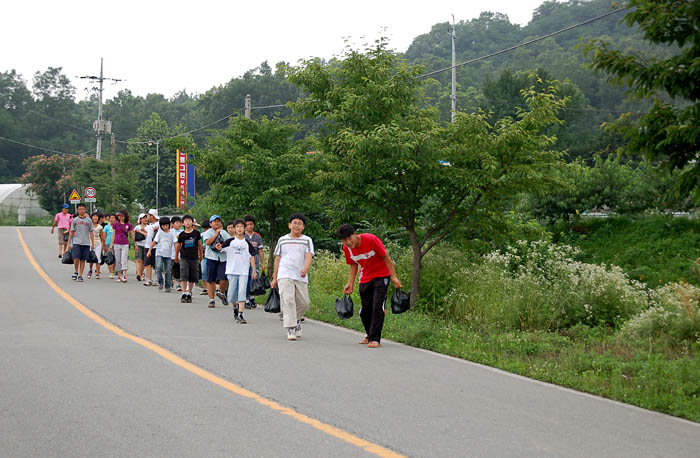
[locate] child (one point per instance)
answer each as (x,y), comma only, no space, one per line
(97,237)
(203,264)
(83,243)
(293,255)
(164,240)
(239,260)
(120,243)
(140,245)
(216,260)
(109,234)
(176,229)
(188,253)
(256,240)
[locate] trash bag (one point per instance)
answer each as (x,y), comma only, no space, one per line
(92,257)
(400,301)
(67,257)
(272,305)
(109,258)
(257,288)
(175,269)
(344,307)
(265,280)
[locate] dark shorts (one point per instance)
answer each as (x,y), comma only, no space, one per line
(80,252)
(140,253)
(189,270)
(150,260)
(216,270)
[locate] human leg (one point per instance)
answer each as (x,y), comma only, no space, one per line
(366,296)
(168,271)
(159,270)
(378,308)
(287,302)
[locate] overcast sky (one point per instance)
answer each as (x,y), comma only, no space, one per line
(163,47)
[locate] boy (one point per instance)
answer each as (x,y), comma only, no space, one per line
(256,240)
(239,261)
(97,237)
(203,264)
(215,259)
(293,255)
(151,231)
(188,253)
(63,220)
(230,228)
(81,236)
(367,251)
(164,240)
(109,234)
(176,229)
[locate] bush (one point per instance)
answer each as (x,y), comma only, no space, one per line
(673,317)
(540,286)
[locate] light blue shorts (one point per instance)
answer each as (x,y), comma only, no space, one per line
(237,285)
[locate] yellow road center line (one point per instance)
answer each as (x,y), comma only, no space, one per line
(173,358)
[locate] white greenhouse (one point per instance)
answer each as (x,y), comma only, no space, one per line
(17,201)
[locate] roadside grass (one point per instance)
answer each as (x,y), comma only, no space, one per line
(652,249)
(11,220)
(595,360)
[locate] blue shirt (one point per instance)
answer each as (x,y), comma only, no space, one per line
(109,233)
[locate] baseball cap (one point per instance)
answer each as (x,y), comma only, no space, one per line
(153,212)
(214,217)
(141,215)
(65,206)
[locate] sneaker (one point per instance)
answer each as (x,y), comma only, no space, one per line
(252,303)
(167,290)
(189,298)
(212,303)
(75,276)
(138,278)
(179,288)
(297,330)
(147,283)
(111,275)
(97,276)
(119,278)
(60,256)
(241,319)
(247,305)
(203,292)
(291,334)
(89,275)
(183,299)
(80,278)
(160,287)
(222,296)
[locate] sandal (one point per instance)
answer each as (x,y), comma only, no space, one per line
(373,344)
(364,341)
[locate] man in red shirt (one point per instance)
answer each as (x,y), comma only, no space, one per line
(368,252)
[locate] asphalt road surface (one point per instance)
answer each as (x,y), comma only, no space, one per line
(166,379)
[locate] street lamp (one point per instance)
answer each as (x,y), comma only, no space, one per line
(150,143)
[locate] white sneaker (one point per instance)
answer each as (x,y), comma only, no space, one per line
(291,333)
(297,330)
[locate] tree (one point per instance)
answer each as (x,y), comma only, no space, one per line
(398,165)
(667,133)
(47,178)
(255,166)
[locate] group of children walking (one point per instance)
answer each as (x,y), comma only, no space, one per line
(226,260)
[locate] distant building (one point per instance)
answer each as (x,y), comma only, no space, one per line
(16,198)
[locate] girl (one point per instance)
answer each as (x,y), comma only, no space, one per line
(140,248)
(97,237)
(120,243)
(108,232)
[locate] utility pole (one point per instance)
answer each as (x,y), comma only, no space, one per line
(454,71)
(113,148)
(100,126)
(247,106)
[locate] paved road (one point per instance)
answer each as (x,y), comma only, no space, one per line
(71,388)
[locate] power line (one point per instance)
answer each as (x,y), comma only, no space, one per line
(33,146)
(58,121)
(179,135)
(502,51)
(269,106)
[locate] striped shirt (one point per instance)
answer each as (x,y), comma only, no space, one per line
(292,253)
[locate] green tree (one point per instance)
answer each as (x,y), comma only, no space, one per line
(396,162)
(256,166)
(47,176)
(667,133)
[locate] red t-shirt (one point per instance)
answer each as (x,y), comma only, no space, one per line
(370,256)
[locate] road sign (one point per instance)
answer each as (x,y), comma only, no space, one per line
(74,197)
(90,194)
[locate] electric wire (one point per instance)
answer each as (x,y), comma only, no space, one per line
(34,146)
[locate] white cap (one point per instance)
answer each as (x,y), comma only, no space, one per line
(153,212)
(141,215)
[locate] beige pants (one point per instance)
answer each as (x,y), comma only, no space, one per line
(294,300)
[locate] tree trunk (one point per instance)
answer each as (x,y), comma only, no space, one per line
(415,271)
(272,245)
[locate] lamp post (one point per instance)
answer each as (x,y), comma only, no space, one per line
(150,143)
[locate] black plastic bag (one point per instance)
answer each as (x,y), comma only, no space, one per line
(109,258)
(67,257)
(272,305)
(344,307)
(400,301)
(92,257)
(175,269)
(265,280)
(256,287)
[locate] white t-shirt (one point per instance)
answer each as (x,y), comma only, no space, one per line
(150,230)
(137,229)
(165,242)
(175,233)
(237,257)
(292,252)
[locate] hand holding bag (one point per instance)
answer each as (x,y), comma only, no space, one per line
(344,307)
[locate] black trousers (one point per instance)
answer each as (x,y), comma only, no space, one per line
(373,296)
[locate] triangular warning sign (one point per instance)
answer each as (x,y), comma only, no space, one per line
(74,196)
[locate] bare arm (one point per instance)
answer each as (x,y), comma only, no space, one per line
(252,266)
(390,265)
(262,259)
(308,257)
(351,279)
(273,283)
